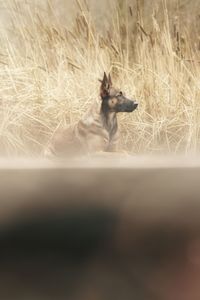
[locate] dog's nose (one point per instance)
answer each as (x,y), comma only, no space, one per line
(136,104)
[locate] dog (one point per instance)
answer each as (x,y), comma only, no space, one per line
(97,131)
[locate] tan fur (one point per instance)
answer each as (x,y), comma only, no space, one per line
(97,130)
(86,136)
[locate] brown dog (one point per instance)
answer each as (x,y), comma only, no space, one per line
(97,131)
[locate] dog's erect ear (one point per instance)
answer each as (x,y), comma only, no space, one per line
(105,86)
(109,80)
(105,78)
(104,82)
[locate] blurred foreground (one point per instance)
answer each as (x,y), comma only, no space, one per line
(126,228)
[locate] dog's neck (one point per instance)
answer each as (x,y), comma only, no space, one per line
(109,119)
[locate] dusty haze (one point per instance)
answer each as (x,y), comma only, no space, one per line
(53,54)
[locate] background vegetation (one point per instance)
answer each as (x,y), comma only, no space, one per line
(51,57)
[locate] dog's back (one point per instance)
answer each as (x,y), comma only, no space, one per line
(84,137)
(64,142)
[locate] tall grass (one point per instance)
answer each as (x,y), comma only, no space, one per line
(49,74)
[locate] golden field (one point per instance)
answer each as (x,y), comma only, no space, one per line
(52,55)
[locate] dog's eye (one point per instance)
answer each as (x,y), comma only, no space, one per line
(119,94)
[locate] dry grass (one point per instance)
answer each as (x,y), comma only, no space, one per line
(49,72)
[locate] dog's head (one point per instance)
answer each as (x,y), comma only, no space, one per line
(114,99)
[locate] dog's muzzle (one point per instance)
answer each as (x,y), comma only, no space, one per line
(130,106)
(127,106)
(135,105)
